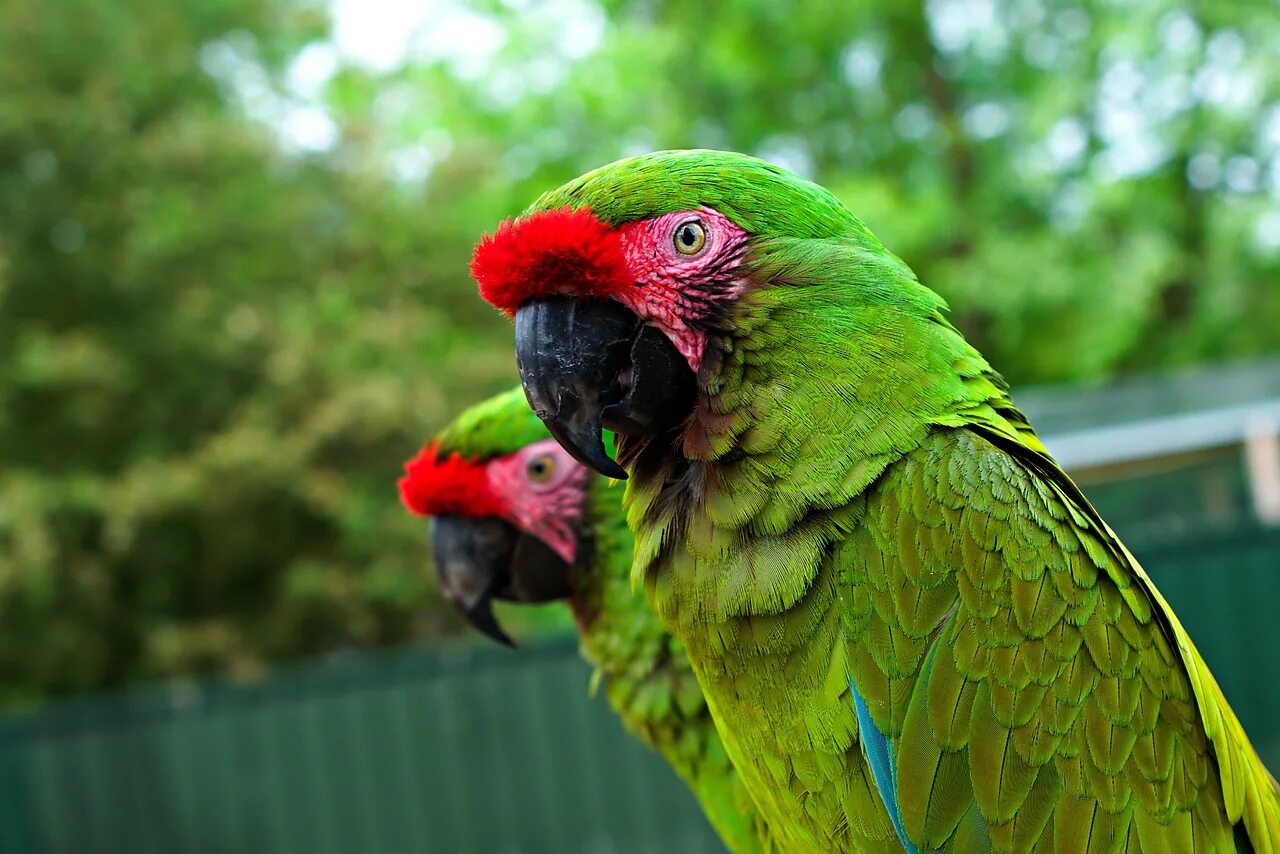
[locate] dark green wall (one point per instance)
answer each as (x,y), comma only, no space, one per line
(412,750)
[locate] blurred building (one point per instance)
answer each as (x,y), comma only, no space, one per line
(1184,454)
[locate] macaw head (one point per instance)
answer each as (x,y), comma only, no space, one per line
(625,283)
(505,504)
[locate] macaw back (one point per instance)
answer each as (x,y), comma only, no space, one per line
(1022,697)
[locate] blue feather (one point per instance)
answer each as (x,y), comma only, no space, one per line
(883,770)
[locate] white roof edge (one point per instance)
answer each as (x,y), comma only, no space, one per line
(1159,437)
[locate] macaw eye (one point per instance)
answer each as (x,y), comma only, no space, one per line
(689,237)
(540,469)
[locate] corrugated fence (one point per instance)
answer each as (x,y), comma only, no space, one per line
(413,750)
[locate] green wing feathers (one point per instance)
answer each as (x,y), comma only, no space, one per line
(1040,693)
(1249,791)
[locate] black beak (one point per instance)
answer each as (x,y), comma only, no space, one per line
(482,559)
(591,365)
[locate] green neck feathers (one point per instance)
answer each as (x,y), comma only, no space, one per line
(835,365)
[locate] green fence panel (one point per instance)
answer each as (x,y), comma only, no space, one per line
(1194,499)
(416,750)
(1225,592)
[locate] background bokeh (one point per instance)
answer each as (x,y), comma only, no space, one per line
(234,235)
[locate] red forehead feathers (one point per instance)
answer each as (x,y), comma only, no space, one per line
(432,486)
(550,252)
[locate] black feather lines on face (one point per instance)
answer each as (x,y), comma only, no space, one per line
(709,300)
(708,297)
(709,304)
(683,485)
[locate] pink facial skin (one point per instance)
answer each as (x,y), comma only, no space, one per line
(542,489)
(678,292)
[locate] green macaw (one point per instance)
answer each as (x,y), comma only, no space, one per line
(515,517)
(911,627)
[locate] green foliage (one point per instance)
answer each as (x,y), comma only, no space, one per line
(213,360)
(215,349)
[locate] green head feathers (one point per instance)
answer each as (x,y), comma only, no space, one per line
(764,199)
(499,426)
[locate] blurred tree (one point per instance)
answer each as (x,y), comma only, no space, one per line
(233,290)
(213,358)
(1105,172)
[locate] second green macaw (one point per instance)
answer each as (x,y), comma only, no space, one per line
(911,627)
(514,517)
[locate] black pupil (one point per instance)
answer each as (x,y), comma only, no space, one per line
(687,236)
(538,468)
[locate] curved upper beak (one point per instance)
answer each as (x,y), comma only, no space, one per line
(481,559)
(590,365)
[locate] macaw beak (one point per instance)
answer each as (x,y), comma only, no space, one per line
(591,365)
(482,559)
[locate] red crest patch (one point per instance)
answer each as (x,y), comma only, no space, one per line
(560,251)
(432,486)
